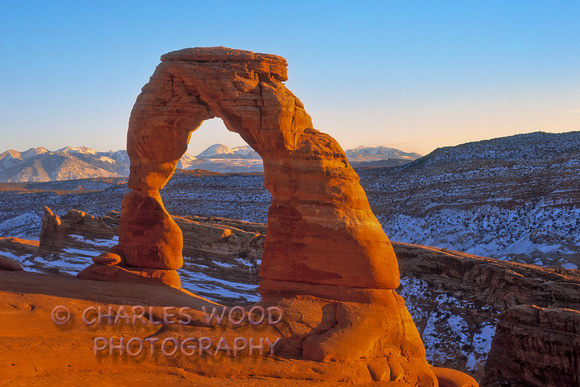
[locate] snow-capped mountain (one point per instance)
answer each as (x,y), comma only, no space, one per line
(220,151)
(81,150)
(40,164)
(365,153)
(10,158)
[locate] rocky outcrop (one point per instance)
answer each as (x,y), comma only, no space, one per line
(221,236)
(535,347)
(448,289)
(19,246)
(51,233)
(488,281)
(57,234)
(9,264)
(81,223)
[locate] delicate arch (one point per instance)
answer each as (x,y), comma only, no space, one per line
(321,229)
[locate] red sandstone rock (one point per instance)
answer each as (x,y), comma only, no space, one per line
(452,378)
(81,223)
(131,275)
(109,259)
(51,233)
(19,246)
(148,236)
(321,227)
(321,230)
(220,238)
(35,345)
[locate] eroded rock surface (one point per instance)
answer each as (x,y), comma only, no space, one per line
(51,233)
(9,264)
(535,346)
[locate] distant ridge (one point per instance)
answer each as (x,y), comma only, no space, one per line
(223,151)
(515,197)
(39,165)
(68,163)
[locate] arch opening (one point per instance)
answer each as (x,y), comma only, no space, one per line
(219,150)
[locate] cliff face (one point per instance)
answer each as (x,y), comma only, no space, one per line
(456,298)
(537,337)
(535,347)
(499,284)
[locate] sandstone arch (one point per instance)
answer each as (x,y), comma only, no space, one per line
(321,229)
(327,262)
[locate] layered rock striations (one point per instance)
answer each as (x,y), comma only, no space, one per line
(535,346)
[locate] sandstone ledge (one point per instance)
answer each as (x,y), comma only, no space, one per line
(111,273)
(39,351)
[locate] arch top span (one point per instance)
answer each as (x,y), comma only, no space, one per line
(321,229)
(267,64)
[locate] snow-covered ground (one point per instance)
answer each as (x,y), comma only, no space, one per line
(544,236)
(442,320)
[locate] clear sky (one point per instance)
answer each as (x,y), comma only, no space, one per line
(413,75)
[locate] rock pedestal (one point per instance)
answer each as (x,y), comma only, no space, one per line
(51,233)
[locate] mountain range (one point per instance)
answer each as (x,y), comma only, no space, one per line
(69,163)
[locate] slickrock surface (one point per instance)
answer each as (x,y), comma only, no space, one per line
(35,350)
(535,347)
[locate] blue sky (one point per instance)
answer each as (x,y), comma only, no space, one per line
(414,75)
